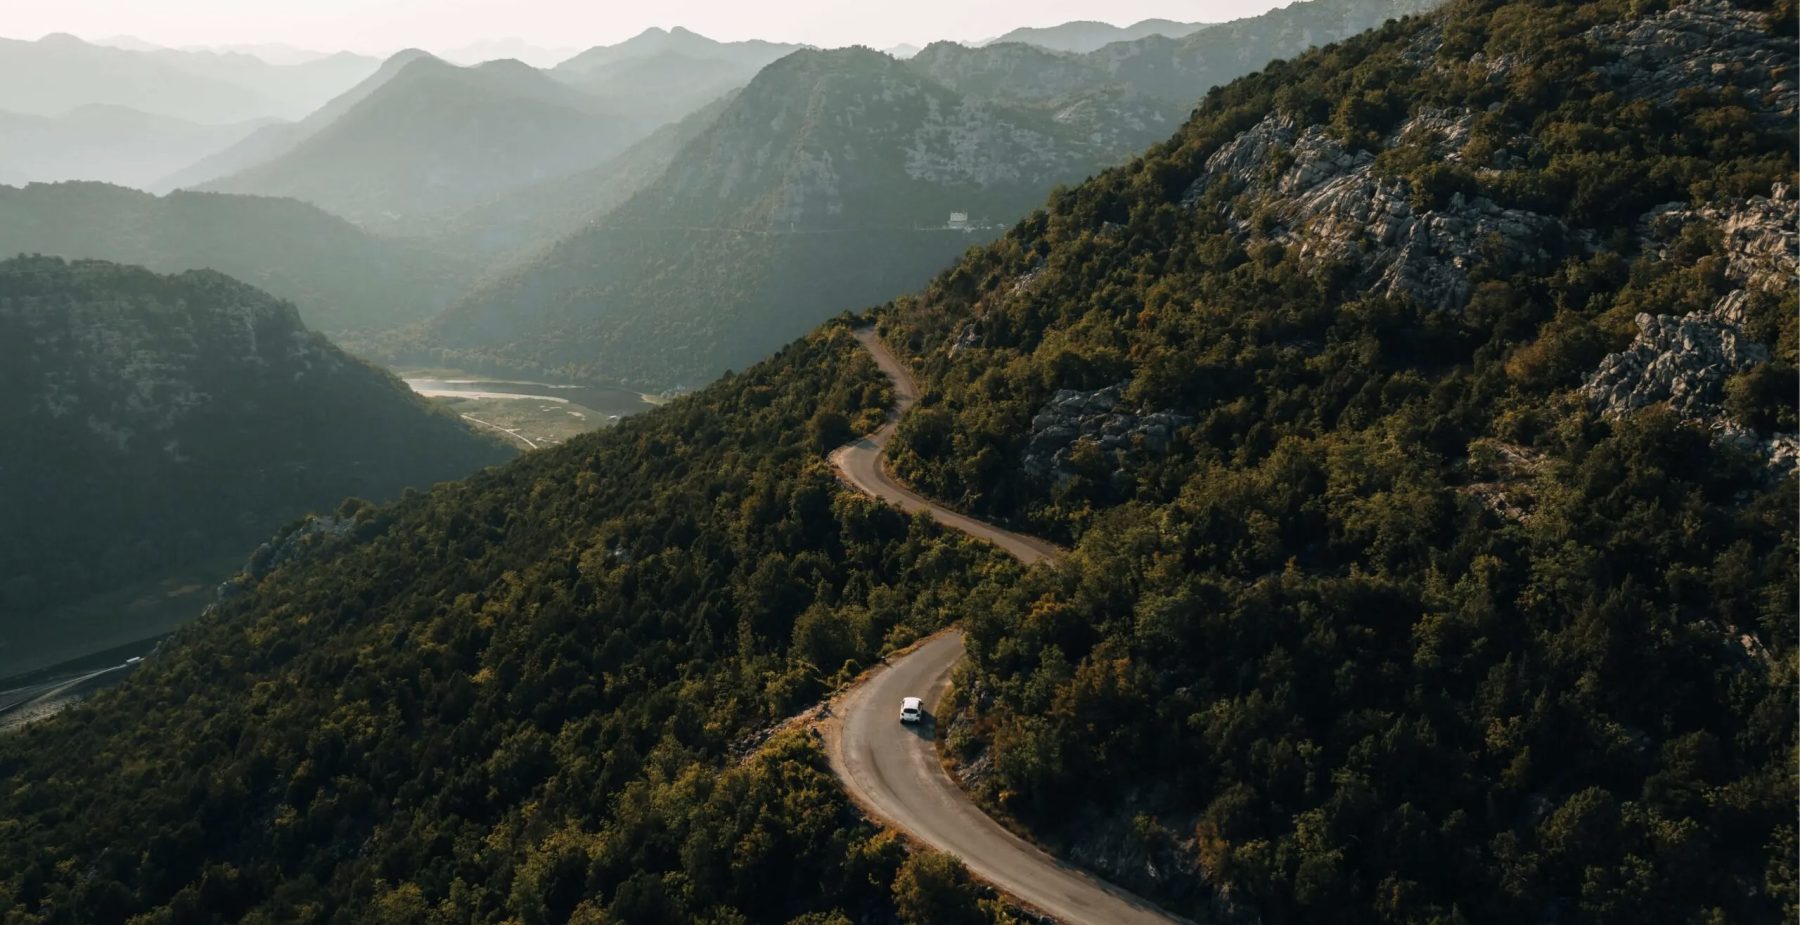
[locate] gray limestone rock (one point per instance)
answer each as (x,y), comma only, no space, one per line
(1071,416)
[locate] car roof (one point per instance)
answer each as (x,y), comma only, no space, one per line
(909,702)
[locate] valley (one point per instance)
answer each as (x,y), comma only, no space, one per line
(536,414)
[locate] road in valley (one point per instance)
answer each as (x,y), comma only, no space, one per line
(893,769)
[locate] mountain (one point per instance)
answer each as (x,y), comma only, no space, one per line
(159,422)
(826,182)
(1165,67)
(112,144)
(1424,414)
(662,76)
(516,225)
(1390,599)
(434,138)
(1084,36)
(340,278)
(777,217)
(516,49)
(655,42)
(59,72)
(1129,94)
(272,141)
(278,53)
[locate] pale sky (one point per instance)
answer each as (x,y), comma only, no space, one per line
(381,26)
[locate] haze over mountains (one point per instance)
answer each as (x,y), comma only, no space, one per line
(830,182)
(633,217)
(341,278)
(1418,415)
(109,143)
(826,182)
(1085,36)
(437,137)
(58,73)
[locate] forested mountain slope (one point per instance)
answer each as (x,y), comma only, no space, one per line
(1432,585)
(1424,416)
(341,278)
(515,698)
(155,422)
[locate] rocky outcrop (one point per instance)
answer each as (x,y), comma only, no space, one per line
(1686,361)
(1682,361)
(1071,417)
(1705,44)
(1332,204)
(1757,236)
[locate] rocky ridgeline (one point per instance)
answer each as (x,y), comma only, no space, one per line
(1070,417)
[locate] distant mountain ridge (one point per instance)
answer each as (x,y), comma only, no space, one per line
(107,143)
(825,183)
(435,137)
(1087,35)
(61,72)
(341,278)
(657,41)
(273,141)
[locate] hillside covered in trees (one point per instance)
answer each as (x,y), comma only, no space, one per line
(1420,416)
(156,423)
(1423,416)
(513,698)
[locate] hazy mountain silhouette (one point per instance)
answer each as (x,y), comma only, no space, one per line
(114,144)
(341,278)
(61,72)
(1087,35)
(434,138)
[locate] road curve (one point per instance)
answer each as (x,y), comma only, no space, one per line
(893,770)
(861,465)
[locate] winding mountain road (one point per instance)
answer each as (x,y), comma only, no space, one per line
(893,770)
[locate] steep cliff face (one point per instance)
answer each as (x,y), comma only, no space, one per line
(157,421)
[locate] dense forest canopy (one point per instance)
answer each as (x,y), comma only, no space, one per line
(514,698)
(1406,586)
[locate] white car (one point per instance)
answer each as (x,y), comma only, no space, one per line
(912,709)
